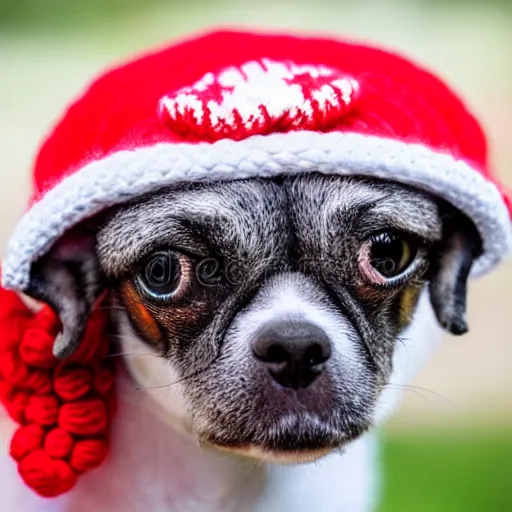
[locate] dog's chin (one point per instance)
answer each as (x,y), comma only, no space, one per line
(276,456)
(293,444)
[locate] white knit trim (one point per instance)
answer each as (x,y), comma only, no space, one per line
(129,173)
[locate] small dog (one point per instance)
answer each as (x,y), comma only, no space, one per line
(266,324)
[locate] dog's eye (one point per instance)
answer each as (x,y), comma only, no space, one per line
(386,255)
(390,254)
(162,275)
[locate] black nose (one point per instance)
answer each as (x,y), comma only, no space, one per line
(294,352)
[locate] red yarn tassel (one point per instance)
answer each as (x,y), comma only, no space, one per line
(64,408)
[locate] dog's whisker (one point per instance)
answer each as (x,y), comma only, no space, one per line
(186,377)
(402,340)
(418,390)
(414,391)
(251,467)
(168,385)
(116,335)
(132,354)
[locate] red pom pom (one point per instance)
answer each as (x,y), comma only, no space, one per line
(33,385)
(94,346)
(16,406)
(103,380)
(88,454)
(14,370)
(46,320)
(48,477)
(11,331)
(25,440)
(85,417)
(12,305)
(39,381)
(42,410)
(72,383)
(13,319)
(6,390)
(58,443)
(36,348)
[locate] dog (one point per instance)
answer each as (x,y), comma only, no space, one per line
(264,328)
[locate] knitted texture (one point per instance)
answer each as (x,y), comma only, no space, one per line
(126,175)
(63,408)
(234,105)
(259,98)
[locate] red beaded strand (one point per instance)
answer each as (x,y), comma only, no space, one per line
(63,408)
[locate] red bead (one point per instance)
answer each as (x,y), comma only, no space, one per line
(58,443)
(85,417)
(17,405)
(42,410)
(6,390)
(72,382)
(88,454)
(48,477)
(36,348)
(103,380)
(25,440)
(14,370)
(46,320)
(39,381)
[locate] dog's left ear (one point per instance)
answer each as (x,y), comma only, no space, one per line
(68,279)
(451,263)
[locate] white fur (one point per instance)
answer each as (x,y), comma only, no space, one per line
(416,345)
(287,297)
(157,466)
(127,174)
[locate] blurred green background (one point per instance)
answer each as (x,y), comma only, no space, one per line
(449,448)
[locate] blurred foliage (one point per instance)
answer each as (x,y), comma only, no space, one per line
(62,13)
(456,472)
(50,13)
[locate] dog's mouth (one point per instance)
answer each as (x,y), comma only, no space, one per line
(277,456)
(291,440)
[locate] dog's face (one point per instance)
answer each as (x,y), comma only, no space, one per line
(275,307)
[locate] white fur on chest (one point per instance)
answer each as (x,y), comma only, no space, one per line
(153,467)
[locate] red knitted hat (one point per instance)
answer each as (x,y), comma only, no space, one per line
(232,105)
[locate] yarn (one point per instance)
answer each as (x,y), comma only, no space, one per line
(235,105)
(58,443)
(63,408)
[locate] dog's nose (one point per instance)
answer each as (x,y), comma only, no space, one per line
(294,352)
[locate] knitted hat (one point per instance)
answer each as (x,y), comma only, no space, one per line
(232,105)
(237,105)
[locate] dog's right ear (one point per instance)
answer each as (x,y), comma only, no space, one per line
(68,279)
(452,261)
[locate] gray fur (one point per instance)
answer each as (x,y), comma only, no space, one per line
(256,237)
(69,281)
(260,230)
